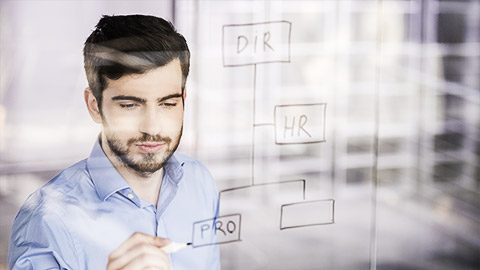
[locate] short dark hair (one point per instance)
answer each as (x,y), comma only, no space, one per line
(131,44)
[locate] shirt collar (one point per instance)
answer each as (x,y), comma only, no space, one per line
(105,177)
(174,169)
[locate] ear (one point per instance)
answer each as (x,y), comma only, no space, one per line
(185,93)
(92,105)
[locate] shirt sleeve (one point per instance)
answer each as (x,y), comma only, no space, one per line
(40,240)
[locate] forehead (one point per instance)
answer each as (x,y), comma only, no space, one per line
(155,83)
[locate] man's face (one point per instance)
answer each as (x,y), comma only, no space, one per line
(142,117)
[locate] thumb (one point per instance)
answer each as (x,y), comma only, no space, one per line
(161,242)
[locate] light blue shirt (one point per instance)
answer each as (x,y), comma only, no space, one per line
(80,216)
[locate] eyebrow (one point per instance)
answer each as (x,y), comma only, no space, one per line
(132,98)
(141,100)
(169,97)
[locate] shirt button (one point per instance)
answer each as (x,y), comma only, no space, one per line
(130,196)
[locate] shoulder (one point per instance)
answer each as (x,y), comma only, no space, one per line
(198,183)
(52,199)
(192,166)
(40,220)
(71,178)
(39,231)
(195,173)
(38,213)
(189,161)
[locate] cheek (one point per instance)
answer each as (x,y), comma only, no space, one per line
(173,123)
(120,124)
(180,119)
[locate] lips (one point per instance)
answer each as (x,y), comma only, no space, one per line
(150,147)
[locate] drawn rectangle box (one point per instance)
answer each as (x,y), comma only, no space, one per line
(220,230)
(309,213)
(256,43)
(300,123)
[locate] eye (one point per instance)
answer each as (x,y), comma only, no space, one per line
(168,104)
(128,105)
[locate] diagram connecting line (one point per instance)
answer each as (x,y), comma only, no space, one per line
(252,44)
(262,43)
(264,124)
(254,121)
(302,181)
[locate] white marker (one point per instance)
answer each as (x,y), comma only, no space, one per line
(174,247)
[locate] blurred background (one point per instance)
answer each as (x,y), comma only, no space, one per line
(401,80)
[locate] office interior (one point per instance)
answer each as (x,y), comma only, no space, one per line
(401,146)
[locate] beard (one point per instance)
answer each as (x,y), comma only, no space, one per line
(143,164)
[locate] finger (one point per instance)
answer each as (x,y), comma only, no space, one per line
(136,239)
(155,268)
(134,252)
(149,261)
(161,242)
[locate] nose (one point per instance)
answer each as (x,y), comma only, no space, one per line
(150,122)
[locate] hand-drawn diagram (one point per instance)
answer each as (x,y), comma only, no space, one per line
(225,229)
(307,213)
(301,123)
(262,43)
(256,43)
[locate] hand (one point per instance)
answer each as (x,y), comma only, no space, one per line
(140,251)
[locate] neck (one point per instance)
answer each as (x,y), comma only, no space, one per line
(146,186)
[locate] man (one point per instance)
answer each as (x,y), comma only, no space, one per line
(119,207)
